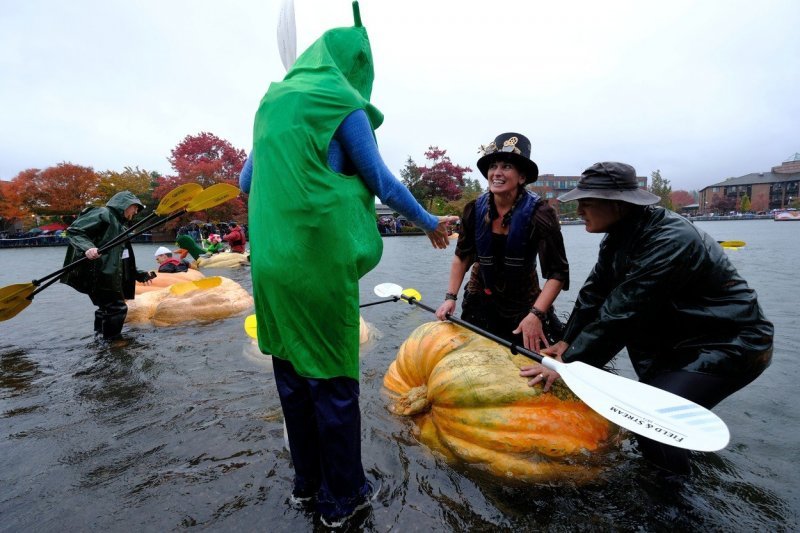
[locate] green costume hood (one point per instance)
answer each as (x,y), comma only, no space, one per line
(342,59)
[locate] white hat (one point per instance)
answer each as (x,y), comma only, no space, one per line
(162,250)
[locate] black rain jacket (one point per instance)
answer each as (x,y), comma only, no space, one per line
(667,291)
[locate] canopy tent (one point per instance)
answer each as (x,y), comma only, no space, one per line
(55,226)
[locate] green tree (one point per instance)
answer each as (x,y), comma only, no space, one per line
(411,176)
(744,204)
(661,188)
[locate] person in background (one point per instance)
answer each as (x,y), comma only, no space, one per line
(215,245)
(666,291)
(235,237)
(168,264)
(316,172)
(109,278)
(503,233)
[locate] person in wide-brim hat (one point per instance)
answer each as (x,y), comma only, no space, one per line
(667,292)
(514,148)
(610,181)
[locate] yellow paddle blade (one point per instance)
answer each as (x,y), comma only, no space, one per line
(183,287)
(412,293)
(732,244)
(14,298)
(213,196)
(251,327)
(178,198)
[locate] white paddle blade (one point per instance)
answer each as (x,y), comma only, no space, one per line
(287,34)
(387,290)
(645,410)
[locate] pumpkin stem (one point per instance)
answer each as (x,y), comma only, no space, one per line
(413,402)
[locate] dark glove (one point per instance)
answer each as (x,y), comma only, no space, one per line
(142,276)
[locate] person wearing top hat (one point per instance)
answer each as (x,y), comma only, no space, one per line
(503,233)
(108,278)
(666,291)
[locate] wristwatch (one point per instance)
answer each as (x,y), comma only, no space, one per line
(450,296)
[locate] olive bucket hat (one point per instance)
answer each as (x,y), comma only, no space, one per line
(513,147)
(610,181)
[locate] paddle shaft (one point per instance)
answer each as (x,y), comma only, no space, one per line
(499,340)
(124,237)
(392,299)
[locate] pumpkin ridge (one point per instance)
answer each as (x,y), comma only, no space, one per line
(478,409)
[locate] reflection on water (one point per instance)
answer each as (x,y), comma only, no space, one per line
(17,371)
(182,427)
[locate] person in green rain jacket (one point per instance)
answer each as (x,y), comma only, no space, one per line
(666,291)
(313,235)
(109,278)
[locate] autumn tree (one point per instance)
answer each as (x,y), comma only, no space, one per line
(441,178)
(722,204)
(206,159)
(681,199)
(134,180)
(60,190)
(11,208)
(660,187)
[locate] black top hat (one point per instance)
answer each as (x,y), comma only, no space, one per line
(513,147)
(610,181)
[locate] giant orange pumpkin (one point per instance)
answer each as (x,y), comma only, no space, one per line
(164,308)
(165,279)
(469,404)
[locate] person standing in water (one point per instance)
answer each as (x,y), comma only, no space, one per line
(503,233)
(316,172)
(109,278)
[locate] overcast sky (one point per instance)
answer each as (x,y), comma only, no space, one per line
(702,90)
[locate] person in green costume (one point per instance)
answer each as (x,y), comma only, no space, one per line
(313,235)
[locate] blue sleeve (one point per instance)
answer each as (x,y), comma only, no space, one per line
(357,140)
(246,175)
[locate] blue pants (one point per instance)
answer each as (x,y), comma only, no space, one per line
(323,421)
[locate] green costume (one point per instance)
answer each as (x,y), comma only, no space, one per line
(313,231)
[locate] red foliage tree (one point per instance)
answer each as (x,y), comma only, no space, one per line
(681,199)
(205,159)
(11,208)
(441,178)
(64,189)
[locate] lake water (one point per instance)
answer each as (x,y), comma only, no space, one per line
(182,428)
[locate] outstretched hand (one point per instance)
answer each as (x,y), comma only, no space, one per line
(439,237)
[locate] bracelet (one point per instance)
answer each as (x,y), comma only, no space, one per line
(450,296)
(538,314)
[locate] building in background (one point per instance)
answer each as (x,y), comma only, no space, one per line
(550,187)
(765,191)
